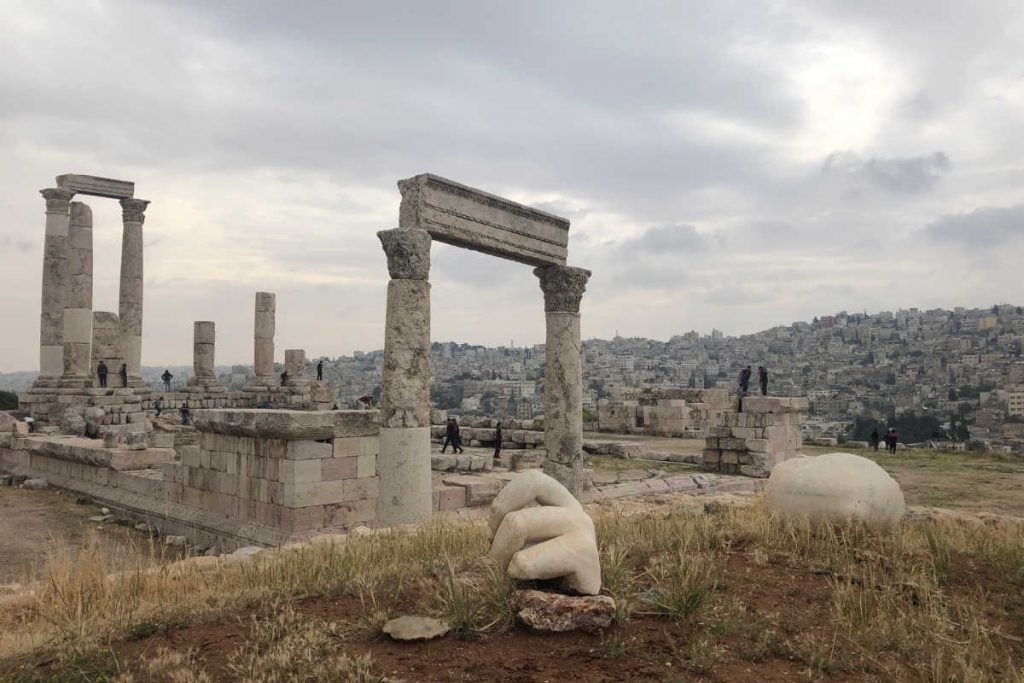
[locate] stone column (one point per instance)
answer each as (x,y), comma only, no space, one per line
(404,461)
(295,366)
(204,336)
(106,345)
(51,316)
(263,339)
(204,376)
(563,288)
(77,322)
(130,295)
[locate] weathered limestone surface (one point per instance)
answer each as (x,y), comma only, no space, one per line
(464,216)
(94,185)
(295,366)
(106,342)
(55,280)
(563,288)
(263,340)
(204,377)
(754,441)
(558,613)
(130,293)
(404,464)
(404,471)
(288,424)
(405,389)
(540,531)
(834,487)
(77,322)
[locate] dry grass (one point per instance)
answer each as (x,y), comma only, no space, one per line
(938,598)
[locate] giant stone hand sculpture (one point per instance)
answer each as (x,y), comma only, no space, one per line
(540,531)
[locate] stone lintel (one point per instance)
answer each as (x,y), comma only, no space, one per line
(463,216)
(288,425)
(94,185)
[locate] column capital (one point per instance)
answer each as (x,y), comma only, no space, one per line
(408,252)
(563,287)
(57,199)
(133,210)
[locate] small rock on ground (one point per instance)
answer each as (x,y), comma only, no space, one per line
(415,628)
(556,612)
(36,484)
(175,541)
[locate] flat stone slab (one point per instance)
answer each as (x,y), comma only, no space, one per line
(92,452)
(96,186)
(289,425)
(466,217)
(556,612)
(415,628)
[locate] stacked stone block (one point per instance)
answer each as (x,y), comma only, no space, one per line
(297,472)
(753,441)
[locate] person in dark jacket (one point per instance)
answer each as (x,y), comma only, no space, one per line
(284,378)
(186,416)
(497,441)
(167,377)
(762,378)
(124,374)
(101,373)
(890,441)
(875,439)
(457,439)
(320,371)
(449,434)
(745,381)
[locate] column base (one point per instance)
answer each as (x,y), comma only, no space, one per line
(403,466)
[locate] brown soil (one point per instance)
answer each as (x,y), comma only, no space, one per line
(768,622)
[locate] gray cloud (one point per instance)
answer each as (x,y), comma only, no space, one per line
(982,228)
(668,238)
(912,174)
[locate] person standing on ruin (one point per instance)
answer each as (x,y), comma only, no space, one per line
(284,378)
(167,377)
(185,414)
(745,381)
(320,371)
(159,405)
(762,378)
(101,373)
(124,374)
(497,441)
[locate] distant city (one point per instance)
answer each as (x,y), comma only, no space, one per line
(961,370)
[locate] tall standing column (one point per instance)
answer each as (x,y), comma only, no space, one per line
(404,461)
(204,374)
(51,316)
(263,340)
(77,322)
(563,288)
(130,294)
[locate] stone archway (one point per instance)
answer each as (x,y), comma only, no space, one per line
(434,208)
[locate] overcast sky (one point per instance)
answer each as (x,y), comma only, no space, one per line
(734,165)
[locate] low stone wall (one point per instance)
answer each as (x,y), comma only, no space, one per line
(295,472)
(687,413)
(752,442)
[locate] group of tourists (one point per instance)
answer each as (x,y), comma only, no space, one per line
(890,439)
(453,437)
(744,380)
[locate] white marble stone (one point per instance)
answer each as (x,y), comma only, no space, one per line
(834,487)
(540,531)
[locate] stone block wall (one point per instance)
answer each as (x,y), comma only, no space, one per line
(664,412)
(753,441)
(298,472)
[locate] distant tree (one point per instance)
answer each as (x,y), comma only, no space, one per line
(8,400)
